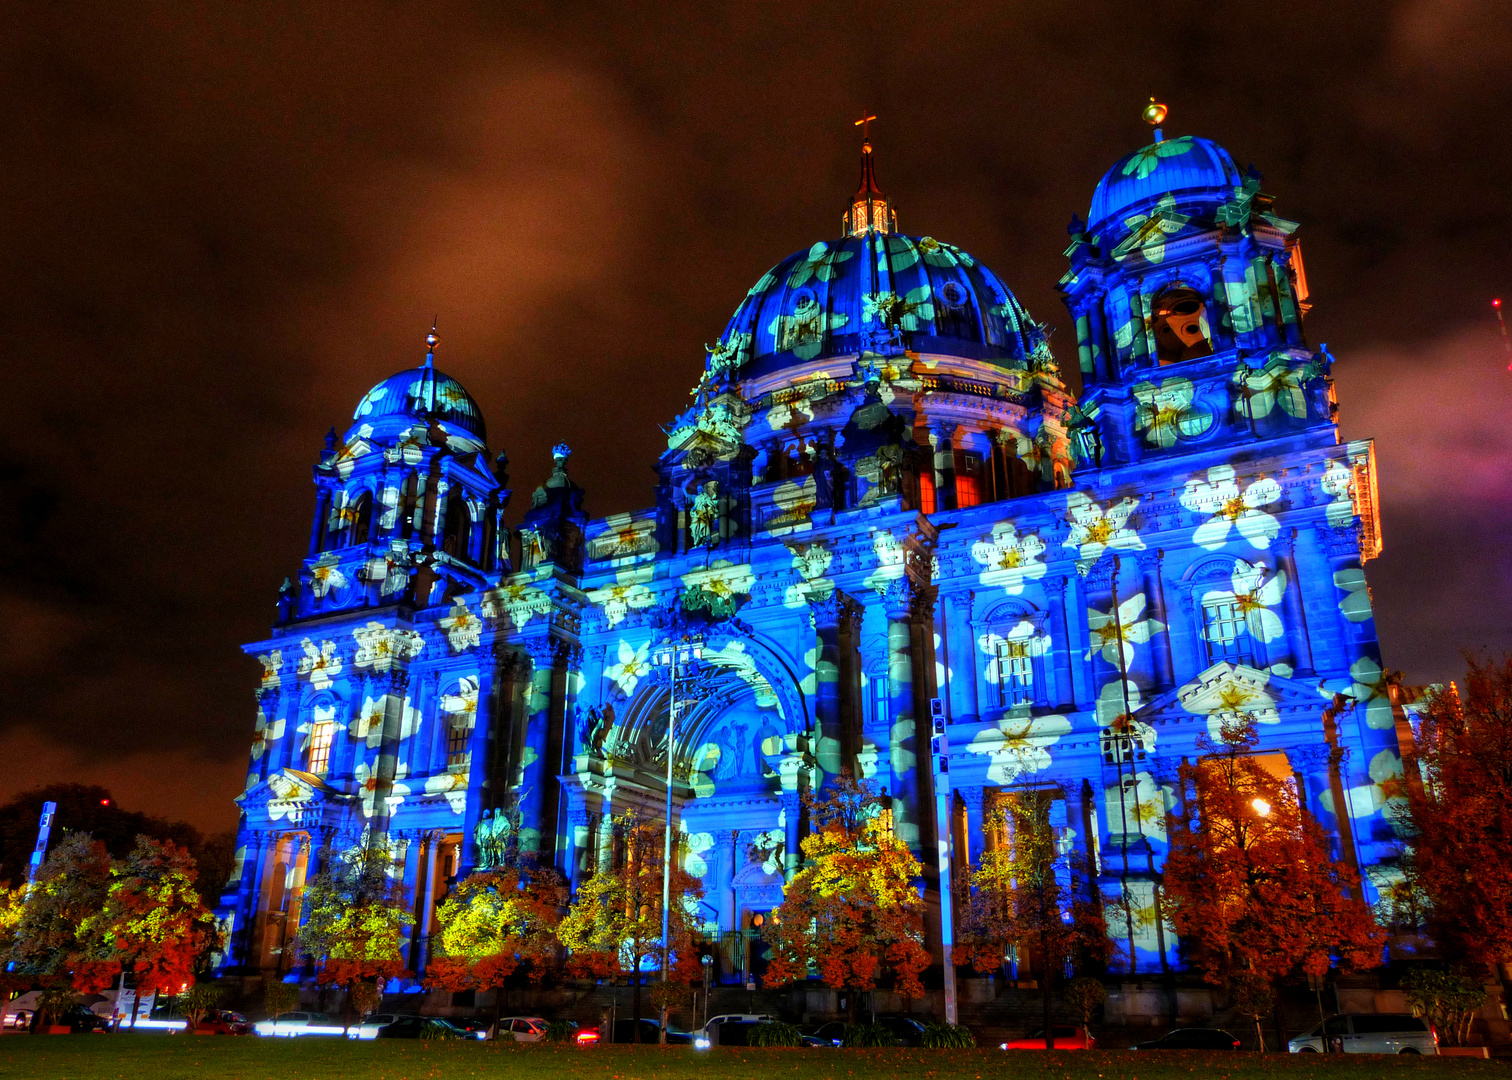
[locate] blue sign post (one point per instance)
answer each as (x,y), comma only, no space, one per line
(44,830)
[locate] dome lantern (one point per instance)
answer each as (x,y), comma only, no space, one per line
(869,209)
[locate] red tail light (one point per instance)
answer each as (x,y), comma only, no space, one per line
(1434,1032)
(587,1038)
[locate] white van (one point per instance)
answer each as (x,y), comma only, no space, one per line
(1369,1033)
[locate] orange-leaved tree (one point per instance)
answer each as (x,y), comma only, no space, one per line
(1022,890)
(1250,884)
(614,926)
(153,922)
(70,888)
(355,917)
(494,921)
(1460,860)
(853,913)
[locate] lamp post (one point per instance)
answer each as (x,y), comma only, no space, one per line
(681,656)
(708,962)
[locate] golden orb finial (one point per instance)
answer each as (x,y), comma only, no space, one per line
(1155,113)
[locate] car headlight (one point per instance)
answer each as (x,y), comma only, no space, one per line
(701,1043)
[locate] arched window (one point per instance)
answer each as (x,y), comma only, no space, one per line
(457,534)
(409,498)
(362,518)
(1181,326)
(1014,648)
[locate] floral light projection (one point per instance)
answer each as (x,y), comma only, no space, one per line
(1095,529)
(1254,595)
(324,575)
(380,647)
(320,663)
(1148,232)
(1366,686)
(1018,746)
(1035,643)
(892,560)
(628,591)
(1263,390)
(908,312)
(794,502)
(1010,561)
(265,731)
(1229,695)
(811,561)
(1338,484)
(461,704)
(1113,632)
(719,588)
(516,600)
(374,792)
(1355,605)
(1138,805)
(633,666)
(271,663)
(695,846)
(461,627)
(1386,791)
(452,784)
(734,656)
(820,265)
(1167,413)
(1146,161)
(1230,507)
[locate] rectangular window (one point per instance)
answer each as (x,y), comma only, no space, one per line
(1226,632)
(926,490)
(1015,673)
(456,739)
(968,479)
(321,736)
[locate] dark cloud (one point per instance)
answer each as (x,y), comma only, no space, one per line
(223,223)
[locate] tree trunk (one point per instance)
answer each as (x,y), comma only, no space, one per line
(636,1036)
(498,1011)
(1259,1036)
(1046,979)
(1280,1024)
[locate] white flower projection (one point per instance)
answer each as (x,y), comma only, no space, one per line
(372,789)
(1166,412)
(1230,507)
(1017,747)
(1355,606)
(1095,529)
(265,731)
(1254,595)
(320,663)
(633,666)
(1112,633)
(271,663)
(1010,561)
(1338,485)
(324,576)
(628,591)
(452,784)
(461,627)
(811,561)
(379,647)
(1230,695)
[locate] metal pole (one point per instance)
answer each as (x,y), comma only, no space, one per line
(44,830)
(1120,743)
(667,851)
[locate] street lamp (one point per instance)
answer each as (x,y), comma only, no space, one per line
(683,656)
(708,962)
(1262,807)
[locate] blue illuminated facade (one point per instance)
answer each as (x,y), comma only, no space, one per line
(887,491)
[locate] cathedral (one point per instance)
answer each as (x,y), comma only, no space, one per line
(892,536)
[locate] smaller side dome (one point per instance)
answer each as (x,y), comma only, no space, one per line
(415,396)
(1195,173)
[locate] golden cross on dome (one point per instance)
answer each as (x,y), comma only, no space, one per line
(864,124)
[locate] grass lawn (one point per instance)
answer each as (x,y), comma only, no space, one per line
(172,1057)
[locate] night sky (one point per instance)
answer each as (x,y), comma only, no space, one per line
(220,224)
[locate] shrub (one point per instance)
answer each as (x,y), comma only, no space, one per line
(53,1002)
(775,1033)
(438,1029)
(948,1037)
(279,998)
(1085,995)
(1447,998)
(869,1035)
(559,1031)
(198,1000)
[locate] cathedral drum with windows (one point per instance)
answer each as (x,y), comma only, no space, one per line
(885,493)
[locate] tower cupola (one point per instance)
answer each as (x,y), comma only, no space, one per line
(869,209)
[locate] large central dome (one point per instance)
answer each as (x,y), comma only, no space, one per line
(835,297)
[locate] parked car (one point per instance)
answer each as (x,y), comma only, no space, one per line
(298,1024)
(1064,1036)
(1191,1039)
(81,1020)
(523,1028)
(729,1029)
(1369,1033)
(830,1034)
(369,1026)
(223,1022)
(474,1029)
(910,1032)
(624,1032)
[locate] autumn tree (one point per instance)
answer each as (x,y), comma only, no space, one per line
(1249,882)
(853,913)
(70,890)
(153,923)
(614,925)
(355,918)
(494,921)
(1460,818)
(1021,893)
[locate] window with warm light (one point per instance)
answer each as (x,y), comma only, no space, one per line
(1015,673)
(319,760)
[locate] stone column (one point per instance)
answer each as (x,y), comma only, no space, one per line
(830,751)
(1073,605)
(850,683)
(420,875)
(566,657)
(1155,608)
(792,818)
(1296,618)
(902,743)
(1059,660)
(972,799)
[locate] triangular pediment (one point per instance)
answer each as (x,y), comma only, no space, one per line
(289,786)
(1227,688)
